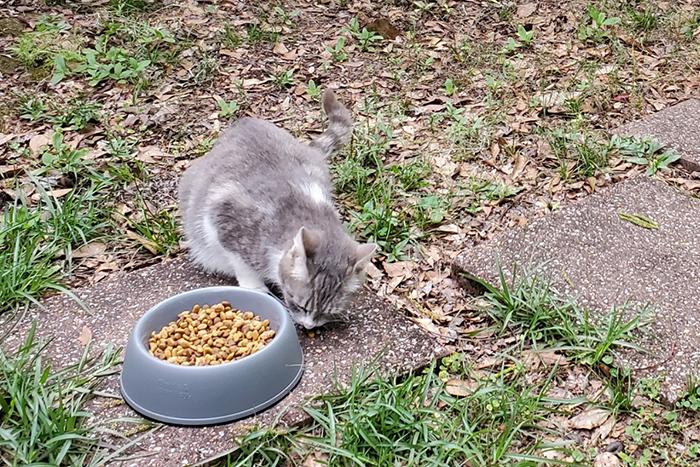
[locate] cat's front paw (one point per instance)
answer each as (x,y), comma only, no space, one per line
(253,285)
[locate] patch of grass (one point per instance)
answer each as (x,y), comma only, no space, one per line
(374,193)
(230,36)
(43,419)
(128,7)
(380,420)
(580,154)
(158,230)
(531,307)
(263,448)
(643,21)
(259,33)
(472,195)
(72,115)
(36,241)
(37,48)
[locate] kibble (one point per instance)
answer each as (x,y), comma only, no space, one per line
(210,336)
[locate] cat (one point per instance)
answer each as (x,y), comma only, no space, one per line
(259,207)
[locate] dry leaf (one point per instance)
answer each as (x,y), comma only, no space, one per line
(317,459)
(373,271)
(147,244)
(85,336)
(520,163)
(526,10)
(280,49)
(589,419)
(5,138)
(89,249)
(606,459)
(60,192)
(460,388)
(398,268)
(37,142)
(149,154)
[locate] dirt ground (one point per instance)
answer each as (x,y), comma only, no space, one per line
(480,115)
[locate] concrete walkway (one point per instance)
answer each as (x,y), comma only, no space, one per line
(677,127)
(590,252)
(117,304)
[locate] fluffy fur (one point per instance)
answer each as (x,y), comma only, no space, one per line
(259,208)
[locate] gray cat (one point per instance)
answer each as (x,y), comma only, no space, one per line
(258,207)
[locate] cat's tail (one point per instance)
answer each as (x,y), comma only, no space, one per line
(339,128)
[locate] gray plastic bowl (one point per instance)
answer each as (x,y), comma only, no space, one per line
(206,395)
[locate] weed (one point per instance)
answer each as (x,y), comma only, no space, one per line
(469,135)
(73,115)
(101,63)
(472,195)
(337,51)
(43,420)
(227,110)
(313,90)
(524,35)
(62,157)
(38,48)
(283,79)
(645,151)
(411,175)
(204,70)
(691,399)
(285,17)
(123,166)
(366,40)
(596,29)
(450,87)
(430,210)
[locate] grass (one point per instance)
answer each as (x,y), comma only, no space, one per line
(531,307)
(43,419)
(34,237)
(413,421)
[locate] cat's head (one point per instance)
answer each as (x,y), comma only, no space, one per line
(319,276)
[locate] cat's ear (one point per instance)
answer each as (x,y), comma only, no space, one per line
(306,242)
(364,254)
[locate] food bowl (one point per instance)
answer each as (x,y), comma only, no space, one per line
(206,395)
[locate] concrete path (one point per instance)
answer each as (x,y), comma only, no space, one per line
(591,253)
(117,304)
(677,126)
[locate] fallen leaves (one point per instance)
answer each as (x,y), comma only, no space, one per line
(589,419)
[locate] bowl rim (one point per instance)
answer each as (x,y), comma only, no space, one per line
(285,322)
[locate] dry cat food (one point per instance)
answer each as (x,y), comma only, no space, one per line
(210,336)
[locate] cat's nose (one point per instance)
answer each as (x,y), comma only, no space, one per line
(307,322)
